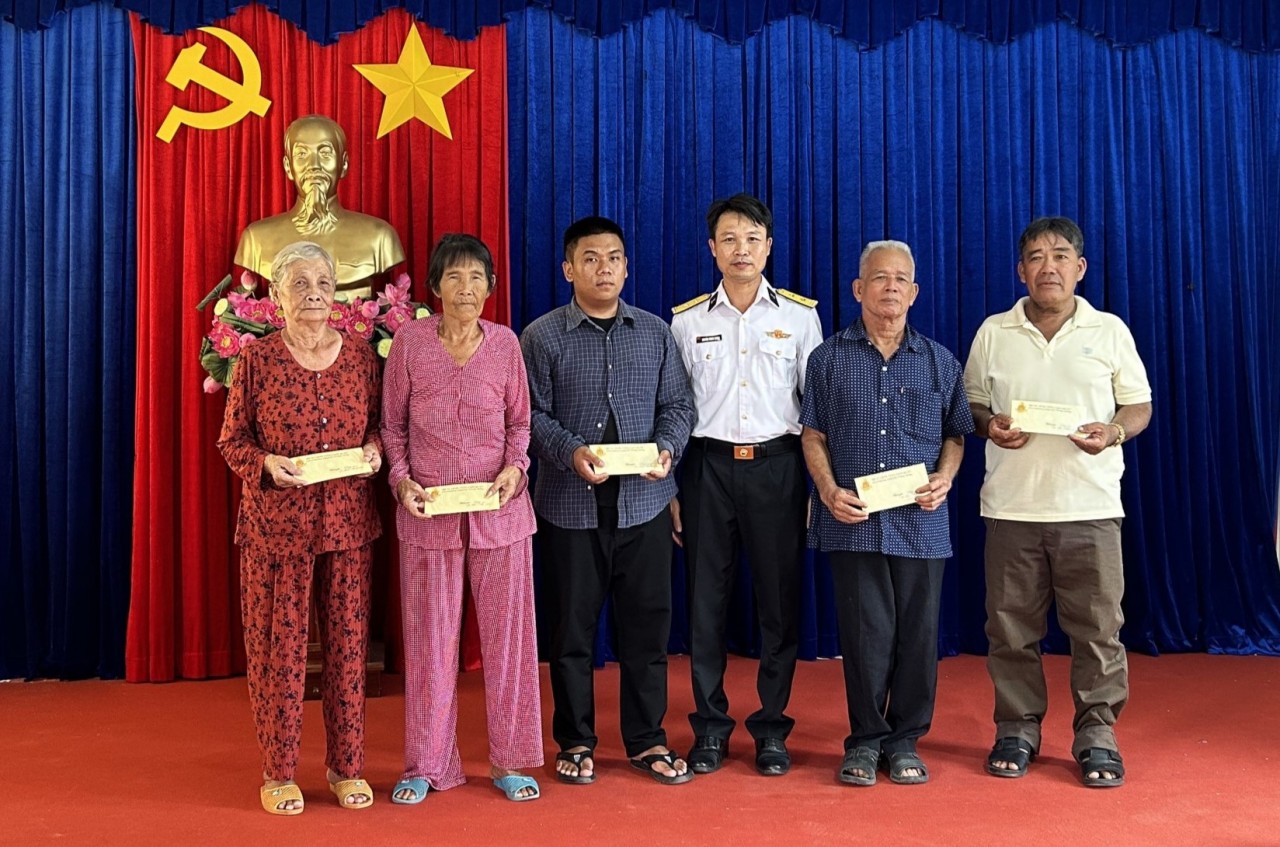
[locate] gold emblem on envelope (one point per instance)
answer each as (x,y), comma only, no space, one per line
(777,333)
(1021,409)
(864,484)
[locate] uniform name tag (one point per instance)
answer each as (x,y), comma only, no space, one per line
(703,339)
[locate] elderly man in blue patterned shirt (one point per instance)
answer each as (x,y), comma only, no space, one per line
(604,372)
(879,397)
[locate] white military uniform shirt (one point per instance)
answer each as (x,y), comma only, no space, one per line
(747,368)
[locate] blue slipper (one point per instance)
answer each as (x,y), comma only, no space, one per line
(511,784)
(417,785)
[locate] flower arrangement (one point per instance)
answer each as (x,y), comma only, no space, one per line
(240,318)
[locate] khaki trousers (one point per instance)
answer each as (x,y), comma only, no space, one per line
(1078,564)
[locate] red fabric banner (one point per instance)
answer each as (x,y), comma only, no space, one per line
(195,195)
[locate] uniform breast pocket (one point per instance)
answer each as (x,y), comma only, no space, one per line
(920,413)
(710,361)
(778,356)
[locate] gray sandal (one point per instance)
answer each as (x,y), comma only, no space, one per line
(899,763)
(862,759)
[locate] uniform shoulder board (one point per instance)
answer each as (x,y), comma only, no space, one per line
(689,304)
(807,302)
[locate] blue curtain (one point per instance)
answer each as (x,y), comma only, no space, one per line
(67,314)
(1165,153)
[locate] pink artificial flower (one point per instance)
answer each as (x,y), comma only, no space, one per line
(248,281)
(369,309)
(240,304)
(247,338)
(339,316)
(275,312)
(396,317)
(360,325)
(396,293)
(225,339)
(211,385)
(260,311)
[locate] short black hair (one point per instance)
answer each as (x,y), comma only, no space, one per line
(588,226)
(456,249)
(743,204)
(1065,228)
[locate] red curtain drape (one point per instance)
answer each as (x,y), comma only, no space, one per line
(195,195)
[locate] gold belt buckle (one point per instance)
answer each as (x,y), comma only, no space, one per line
(744,451)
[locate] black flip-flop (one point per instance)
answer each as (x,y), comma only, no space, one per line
(646,763)
(575,759)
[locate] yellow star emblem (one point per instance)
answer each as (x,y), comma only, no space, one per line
(414,87)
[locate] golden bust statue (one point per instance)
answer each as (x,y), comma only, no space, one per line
(362,246)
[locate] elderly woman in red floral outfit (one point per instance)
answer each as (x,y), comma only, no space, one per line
(305,389)
(456,410)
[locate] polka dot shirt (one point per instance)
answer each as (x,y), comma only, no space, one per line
(882,415)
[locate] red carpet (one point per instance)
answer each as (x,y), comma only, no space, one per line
(114,763)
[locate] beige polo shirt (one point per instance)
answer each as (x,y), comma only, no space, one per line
(1092,361)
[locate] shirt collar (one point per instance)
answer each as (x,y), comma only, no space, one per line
(574,316)
(857,332)
(1085,314)
(765,292)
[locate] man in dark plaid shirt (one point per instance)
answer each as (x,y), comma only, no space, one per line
(603,372)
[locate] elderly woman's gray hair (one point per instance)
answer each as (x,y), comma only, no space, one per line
(299,251)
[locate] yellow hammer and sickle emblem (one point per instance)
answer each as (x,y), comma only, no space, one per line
(243,97)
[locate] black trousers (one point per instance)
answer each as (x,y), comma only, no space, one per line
(887,608)
(633,567)
(758,505)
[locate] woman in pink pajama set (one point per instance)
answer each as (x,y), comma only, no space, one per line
(456,410)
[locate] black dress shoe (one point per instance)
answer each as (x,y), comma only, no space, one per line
(772,758)
(708,754)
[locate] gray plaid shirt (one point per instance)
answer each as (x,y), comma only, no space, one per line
(578,374)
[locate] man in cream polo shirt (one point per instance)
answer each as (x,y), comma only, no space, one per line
(1051,502)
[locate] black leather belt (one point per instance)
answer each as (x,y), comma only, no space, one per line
(746,452)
